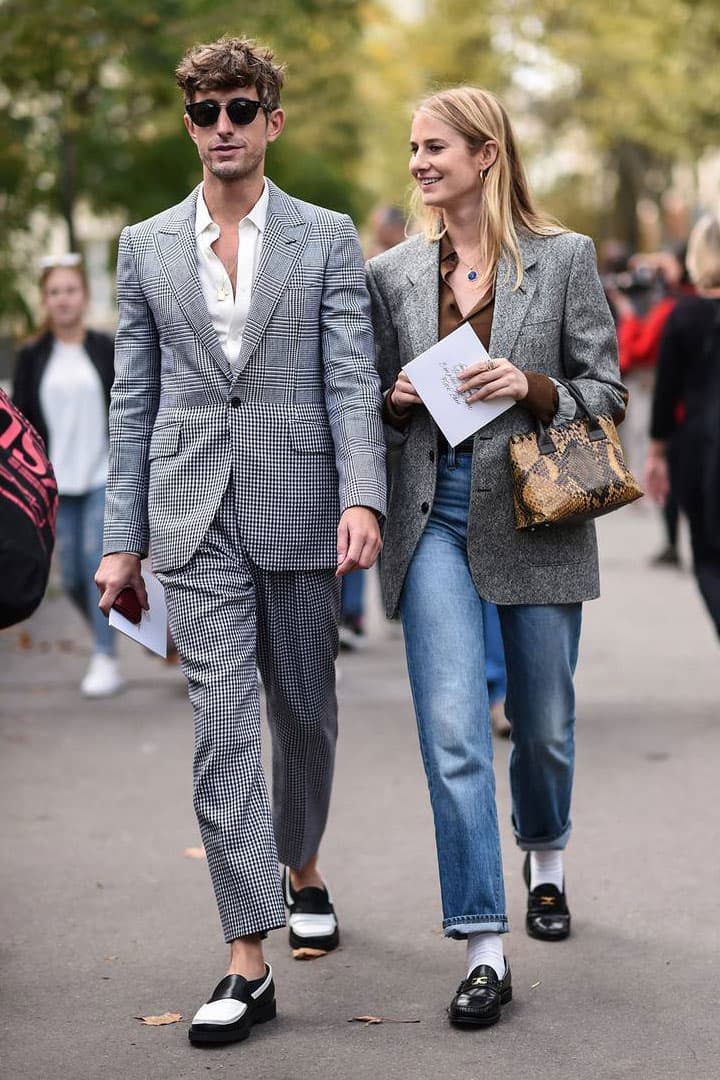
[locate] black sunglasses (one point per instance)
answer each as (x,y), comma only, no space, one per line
(241,111)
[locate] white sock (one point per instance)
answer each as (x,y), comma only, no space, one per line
(485,948)
(546,868)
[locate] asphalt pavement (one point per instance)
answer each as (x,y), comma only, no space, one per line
(105,917)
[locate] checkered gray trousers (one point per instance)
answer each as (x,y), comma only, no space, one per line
(227,615)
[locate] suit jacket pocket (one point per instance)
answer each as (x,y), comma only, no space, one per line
(311,438)
(164,441)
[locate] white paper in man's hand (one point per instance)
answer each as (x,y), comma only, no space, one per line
(152,629)
(434,374)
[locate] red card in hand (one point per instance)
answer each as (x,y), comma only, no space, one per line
(127,603)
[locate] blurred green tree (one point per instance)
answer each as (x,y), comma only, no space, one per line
(92,114)
(641,83)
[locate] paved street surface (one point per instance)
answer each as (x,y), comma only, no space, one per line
(105,919)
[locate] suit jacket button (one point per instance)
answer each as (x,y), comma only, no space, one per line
(425,507)
(235,401)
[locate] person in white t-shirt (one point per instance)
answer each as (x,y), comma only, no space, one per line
(62,384)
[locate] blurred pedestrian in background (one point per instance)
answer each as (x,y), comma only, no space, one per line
(62,384)
(387,228)
(684,453)
(530,291)
(642,297)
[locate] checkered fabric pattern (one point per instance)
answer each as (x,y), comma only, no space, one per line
(297,420)
(225,613)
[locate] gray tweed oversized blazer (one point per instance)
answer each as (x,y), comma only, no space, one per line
(557,322)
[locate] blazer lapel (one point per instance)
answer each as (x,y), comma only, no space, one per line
(512,305)
(421,301)
(283,241)
(177,251)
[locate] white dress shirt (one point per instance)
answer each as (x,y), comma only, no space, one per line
(229,313)
(73,404)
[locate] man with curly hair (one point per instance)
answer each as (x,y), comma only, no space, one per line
(247,456)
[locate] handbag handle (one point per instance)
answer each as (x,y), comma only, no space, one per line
(595,431)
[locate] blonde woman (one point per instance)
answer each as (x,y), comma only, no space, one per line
(530,290)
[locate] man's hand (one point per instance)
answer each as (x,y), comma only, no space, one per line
(115,573)
(358,540)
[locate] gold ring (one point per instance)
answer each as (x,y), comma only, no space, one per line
(490,365)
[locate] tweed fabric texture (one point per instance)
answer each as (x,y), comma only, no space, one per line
(582,478)
(226,615)
(557,323)
(297,419)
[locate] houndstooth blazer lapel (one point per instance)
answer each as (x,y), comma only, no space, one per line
(177,252)
(283,241)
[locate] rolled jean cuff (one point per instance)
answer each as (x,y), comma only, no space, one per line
(556,843)
(462,925)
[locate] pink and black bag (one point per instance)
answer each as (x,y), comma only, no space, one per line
(28,507)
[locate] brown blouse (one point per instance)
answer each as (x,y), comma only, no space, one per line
(542,396)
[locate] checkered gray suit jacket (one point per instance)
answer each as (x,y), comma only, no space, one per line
(296,422)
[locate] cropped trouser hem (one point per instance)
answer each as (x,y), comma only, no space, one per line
(231,931)
(462,925)
(545,843)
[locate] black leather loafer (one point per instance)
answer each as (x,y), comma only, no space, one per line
(235,1006)
(548,916)
(312,921)
(479,998)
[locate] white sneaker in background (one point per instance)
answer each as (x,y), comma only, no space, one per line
(102,678)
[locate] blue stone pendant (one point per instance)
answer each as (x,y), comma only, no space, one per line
(472,275)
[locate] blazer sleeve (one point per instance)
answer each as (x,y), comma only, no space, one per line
(387,357)
(352,390)
(590,353)
(133,407)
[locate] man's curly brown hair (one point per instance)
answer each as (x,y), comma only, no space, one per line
(228,62)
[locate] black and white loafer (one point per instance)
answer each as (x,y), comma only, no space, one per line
(234,1007)
(313,923)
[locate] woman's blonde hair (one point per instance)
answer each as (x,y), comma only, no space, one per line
(477,115)
(703,253)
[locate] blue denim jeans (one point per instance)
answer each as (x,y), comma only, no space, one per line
(79,532)
(352,604)
(444,626)
(494,653)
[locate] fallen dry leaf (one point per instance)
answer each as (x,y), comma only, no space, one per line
(24,640)
(194,852)
(110,958)
(379,1020)
(160,1021)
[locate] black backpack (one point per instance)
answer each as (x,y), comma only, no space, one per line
(28,506)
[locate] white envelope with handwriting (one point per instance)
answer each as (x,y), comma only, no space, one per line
(434,375)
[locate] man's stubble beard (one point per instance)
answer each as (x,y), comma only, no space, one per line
(230,171)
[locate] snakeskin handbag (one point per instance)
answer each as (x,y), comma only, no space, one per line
(570,473)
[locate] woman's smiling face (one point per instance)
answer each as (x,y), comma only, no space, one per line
(444,167)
